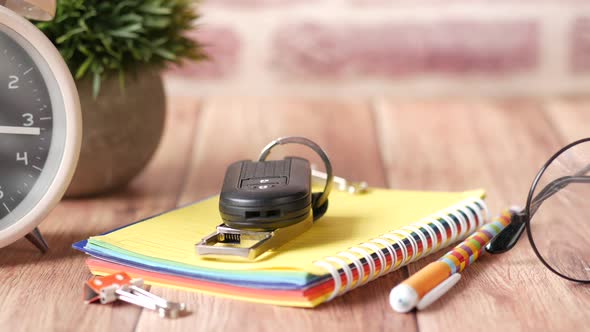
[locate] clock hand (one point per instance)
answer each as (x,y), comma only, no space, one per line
(20,130)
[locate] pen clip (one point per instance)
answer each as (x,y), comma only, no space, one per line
(438,291)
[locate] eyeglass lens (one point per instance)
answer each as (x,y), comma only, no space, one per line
(560,209)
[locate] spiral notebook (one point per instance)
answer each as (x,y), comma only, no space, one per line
(361,238)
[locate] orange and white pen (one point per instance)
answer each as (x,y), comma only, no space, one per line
(434,280)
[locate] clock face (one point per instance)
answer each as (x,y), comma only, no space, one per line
(28,122)
(25,124)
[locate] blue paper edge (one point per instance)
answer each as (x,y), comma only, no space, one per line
(226,281)
(204,276)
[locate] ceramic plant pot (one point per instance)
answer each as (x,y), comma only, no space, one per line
(122,130)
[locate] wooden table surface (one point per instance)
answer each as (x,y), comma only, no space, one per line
(418,145)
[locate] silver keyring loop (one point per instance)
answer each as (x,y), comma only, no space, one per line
(312,145)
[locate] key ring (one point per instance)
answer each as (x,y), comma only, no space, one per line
(317,149)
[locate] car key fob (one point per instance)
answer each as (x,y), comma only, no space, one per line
(267,203)
(266,195)
(264,204)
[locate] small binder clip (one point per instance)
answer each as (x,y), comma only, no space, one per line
(120,286)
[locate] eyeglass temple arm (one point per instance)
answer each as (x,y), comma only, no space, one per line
(554,187)
(558,184)
(508,237)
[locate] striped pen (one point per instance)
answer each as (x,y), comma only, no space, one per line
(434,280)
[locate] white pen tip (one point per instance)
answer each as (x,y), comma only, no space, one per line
(403,298)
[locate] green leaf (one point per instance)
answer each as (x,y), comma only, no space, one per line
(165,54)
(157,22)
(96,82)
(129,31)
(131,17)
(124,34)
(69,35)
(122,5)
(159,42)
(84,67)
(82,49)
(122,81)
(150,8)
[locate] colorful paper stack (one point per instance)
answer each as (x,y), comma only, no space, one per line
(361,238)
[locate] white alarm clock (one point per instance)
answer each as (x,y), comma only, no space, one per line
(40,122)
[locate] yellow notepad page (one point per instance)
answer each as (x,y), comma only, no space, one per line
(350,220)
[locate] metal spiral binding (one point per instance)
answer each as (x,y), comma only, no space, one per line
(412,242)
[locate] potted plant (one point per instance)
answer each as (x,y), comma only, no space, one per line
(115,50)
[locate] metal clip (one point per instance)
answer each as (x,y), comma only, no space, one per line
(341,183)
(120,286)
(227,241)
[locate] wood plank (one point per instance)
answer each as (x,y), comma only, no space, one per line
(446,145)
(44,292)
(570,117)
(236,129)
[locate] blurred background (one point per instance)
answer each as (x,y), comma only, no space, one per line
(389,47)
(427,62)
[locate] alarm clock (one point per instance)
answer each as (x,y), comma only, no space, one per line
(40,122)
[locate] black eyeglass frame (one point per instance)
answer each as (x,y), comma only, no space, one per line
(521,220)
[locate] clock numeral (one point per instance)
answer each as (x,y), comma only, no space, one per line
(1,193)
(28,120)
(13,82)
(24,157)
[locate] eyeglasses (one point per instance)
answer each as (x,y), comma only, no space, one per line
(557,215)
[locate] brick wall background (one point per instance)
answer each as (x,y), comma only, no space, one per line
(391,47)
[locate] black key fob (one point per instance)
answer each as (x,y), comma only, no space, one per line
(265,204)
(266,195)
